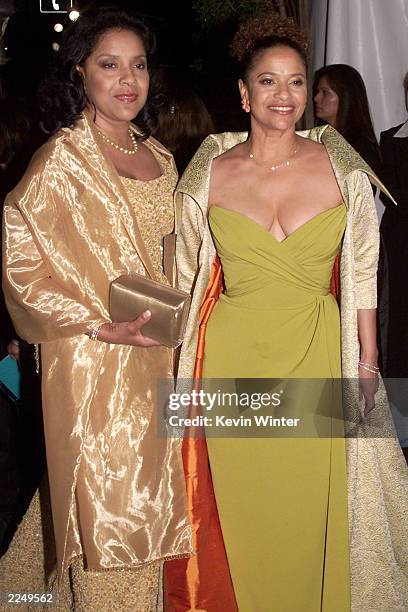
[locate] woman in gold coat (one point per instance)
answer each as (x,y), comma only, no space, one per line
(96,195)
(312,523)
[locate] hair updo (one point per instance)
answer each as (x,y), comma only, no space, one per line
(265,32)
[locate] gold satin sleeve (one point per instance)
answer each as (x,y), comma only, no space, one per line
(365,242)
(41,309)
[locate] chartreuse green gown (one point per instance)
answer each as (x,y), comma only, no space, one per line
(282,499)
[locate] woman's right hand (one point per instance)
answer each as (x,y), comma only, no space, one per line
(13,349)
(127,333)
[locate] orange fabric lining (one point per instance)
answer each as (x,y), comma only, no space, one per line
(335,279)
(201,583)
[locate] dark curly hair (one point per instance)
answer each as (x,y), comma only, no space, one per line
(265,32)
(62,96)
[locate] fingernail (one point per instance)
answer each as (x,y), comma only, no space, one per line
(147,314)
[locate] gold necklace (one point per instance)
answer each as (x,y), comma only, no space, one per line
(275,166)
(118,147)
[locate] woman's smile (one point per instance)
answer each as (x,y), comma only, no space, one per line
(282,110)
(127,98)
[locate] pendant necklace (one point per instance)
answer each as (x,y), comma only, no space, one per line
(132,151)
(274,167)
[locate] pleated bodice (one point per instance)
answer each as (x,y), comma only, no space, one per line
(277,307)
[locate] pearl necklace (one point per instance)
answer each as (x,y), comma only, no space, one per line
(119,148)
(276,166)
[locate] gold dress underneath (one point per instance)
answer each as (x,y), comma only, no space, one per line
(29,566)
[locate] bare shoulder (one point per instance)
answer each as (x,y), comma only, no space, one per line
(315,154)
(229,165)
(318,172)
(229,158)
(312,148)
(228,174)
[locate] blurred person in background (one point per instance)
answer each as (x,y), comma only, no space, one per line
(183,123)
(340,99)
(392,277)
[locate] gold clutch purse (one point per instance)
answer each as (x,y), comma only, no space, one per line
(132,294)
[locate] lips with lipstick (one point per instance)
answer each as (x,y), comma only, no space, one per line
(127,98)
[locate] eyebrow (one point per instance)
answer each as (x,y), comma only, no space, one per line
(277,73)
(118,56)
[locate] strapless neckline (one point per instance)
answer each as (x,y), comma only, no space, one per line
(264,230)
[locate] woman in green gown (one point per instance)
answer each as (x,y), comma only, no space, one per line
(277,207)
(277,318)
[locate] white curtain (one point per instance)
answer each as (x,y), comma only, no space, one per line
(371,36)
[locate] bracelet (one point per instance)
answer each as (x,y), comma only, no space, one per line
(95,333)
(369,367)
(15,341)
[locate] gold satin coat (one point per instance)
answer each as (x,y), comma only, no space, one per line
(117,488)
(377,472)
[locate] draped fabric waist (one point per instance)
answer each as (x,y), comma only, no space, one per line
(270,297)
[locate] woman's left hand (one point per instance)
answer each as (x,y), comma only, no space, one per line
(368,387)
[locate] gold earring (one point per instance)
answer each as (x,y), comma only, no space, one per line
(81,74)
(245,105)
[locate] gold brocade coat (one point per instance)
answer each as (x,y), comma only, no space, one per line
(117,487)
(377,472)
